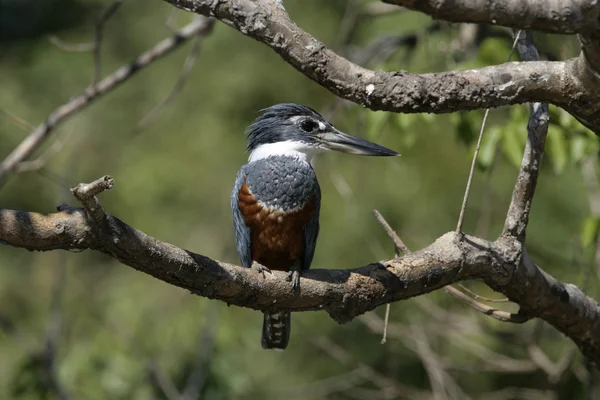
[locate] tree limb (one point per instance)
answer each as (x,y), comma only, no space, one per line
(568,84)
(344,294)
(562,16)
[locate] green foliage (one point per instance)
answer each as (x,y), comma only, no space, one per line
(173,181)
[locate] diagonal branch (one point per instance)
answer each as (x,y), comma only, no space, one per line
(567,84)
(78,103)
(344,294)
(537,129)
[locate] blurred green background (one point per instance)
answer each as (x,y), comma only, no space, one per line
(115,333)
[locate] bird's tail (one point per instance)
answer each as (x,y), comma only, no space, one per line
(276,330)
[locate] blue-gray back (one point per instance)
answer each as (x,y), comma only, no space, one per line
(282,183)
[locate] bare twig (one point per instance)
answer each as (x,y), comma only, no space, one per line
(463,208)
(500,315)
(471,302)
(188,66)
(399,245)
(76,104)
(479,297)
(109,12)
(18,121)
(40,162)
(86,194)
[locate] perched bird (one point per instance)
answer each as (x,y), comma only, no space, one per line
(276,197)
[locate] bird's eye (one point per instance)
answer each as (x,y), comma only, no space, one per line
(308,125)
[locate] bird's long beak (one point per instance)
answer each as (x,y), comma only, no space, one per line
(340,141)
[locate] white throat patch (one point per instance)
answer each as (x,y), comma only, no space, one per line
(290,148)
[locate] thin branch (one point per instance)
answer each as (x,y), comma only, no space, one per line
(399,245)
(86,194)
(537,129)
(40,162)
(343,293)
(482,308)
(78,103)
(463,208)
(188,66)
(479,297)
(18,121)
(109,12)
(500,315)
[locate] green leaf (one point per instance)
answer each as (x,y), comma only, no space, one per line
(558,147)
(589,231)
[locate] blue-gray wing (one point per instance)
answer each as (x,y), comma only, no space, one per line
(311,232)
(243,236)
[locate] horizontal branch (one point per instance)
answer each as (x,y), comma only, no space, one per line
(566,84)
(557,16)
(344,294)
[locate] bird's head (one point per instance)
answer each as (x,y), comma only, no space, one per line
(300,131)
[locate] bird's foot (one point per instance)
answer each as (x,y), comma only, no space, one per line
(294,277)
(261,269)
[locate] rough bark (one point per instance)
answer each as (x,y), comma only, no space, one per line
(571,84)
(560,16)
(344,294)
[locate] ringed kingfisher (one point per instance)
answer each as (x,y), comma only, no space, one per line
(276,197)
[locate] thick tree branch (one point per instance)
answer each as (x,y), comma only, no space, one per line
(344,294)
(567,84)
(96,90)
(561,16)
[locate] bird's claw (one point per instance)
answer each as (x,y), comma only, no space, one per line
(261,269)
(294,277)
